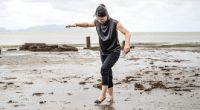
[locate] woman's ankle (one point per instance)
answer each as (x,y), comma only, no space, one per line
(101,97)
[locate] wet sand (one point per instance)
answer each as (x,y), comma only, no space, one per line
(145,79)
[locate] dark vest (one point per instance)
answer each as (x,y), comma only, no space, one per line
(108,36)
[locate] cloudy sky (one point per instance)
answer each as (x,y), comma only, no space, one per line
(136,15)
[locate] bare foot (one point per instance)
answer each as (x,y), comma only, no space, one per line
(111,100)
(99,100)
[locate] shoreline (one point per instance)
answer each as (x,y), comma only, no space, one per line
(144,79)
(137,44)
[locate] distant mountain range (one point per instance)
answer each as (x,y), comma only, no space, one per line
(49,28)
(3,30)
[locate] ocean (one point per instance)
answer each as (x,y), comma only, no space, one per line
(18,38)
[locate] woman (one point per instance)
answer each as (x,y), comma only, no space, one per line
(107,29)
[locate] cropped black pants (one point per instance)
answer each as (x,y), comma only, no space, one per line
(108,61)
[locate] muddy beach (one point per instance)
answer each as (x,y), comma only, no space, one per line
(145,79)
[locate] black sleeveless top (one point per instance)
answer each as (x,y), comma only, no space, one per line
(108,36)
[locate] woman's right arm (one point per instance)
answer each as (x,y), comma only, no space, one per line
(83,24)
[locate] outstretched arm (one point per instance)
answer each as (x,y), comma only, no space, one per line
(127,35)
(83,24)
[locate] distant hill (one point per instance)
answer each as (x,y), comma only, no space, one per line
(3,29)
(50,28)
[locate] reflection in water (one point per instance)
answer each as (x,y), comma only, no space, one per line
(105,107)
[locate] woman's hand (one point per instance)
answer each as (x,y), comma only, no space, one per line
(126,48)
(70,25)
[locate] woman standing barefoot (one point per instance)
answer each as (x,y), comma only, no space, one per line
(107,29)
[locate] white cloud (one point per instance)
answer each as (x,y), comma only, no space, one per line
(136,15)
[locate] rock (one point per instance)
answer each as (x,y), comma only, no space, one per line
(2,82)
(177,90)
(127,99)
(42,102)
(151,63)
(37,94)
(34,69)
(157,84)
(19,105)
(86,79)
(188,90)
(64,81)
(147,72)
(9,78)
(99,86)
(178,61)
(19,92)
(16,86)
(129,79)
(166,74)
(42,47)
(68,48)
(161,67)
(85,88)
(139,86)
(148,89)
(165,69)
(117,83)
(10,83)
(192,85)
(69,93)
(28,82)
(155,73)
(5,87)
(51,93)
(176,78)
(134,59)
(11,49)
(65,102)
(27,46)
(173,87)
(10,101)
(82,83)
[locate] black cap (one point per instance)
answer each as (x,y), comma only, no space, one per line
(101,11)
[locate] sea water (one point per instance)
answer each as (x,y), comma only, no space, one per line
(18,38)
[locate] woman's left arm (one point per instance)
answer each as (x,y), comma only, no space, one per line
(127,35)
